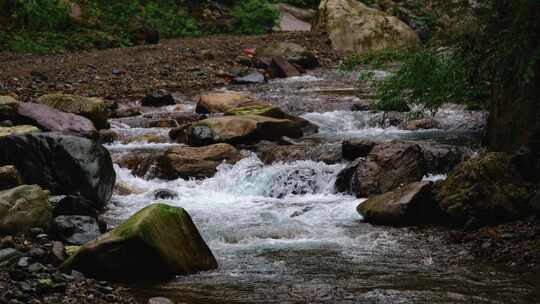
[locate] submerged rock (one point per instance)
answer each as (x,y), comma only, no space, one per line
(93,108)
(23,208)
(485,190)
(236,130)
(408,205)
(63,164)
(157,242)
(354,27)
(387,166)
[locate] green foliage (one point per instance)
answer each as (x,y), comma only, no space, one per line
(172,22)
(41,15)
(377,59)
(301,3)
(366,76)
(254,16)
(425,80)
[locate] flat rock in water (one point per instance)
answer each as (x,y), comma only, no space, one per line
(50,119)
(409,205)
(95,109)
(237,129)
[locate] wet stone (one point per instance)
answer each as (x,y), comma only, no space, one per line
(8,253)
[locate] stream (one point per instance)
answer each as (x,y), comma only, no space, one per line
(281,233)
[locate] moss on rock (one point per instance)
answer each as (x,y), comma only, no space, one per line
(488,189)
(157,242)
(94,109)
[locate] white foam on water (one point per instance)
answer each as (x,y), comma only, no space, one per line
(250,205)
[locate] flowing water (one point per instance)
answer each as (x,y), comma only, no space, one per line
(282,234)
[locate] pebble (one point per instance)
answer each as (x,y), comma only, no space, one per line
(37,267)
(59,251)
(36,252)
(160,300)
(23,262)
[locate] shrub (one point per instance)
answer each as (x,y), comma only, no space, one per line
(254,16)
(426,80)
(41,15)
(170,21)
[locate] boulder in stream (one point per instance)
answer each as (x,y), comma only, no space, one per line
(63,164)
(95,109)
(236,130)
(274,112)
(158,242)
(23,208)
(388,166)
(408,205)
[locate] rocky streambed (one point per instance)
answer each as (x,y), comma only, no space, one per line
(271,214)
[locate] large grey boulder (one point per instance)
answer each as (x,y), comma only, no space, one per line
(63,164)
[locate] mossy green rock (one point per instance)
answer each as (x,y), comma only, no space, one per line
(23,208)
(18,130)
(94,109)
(409,205)
(487,190)
(273,112)
(158,242)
